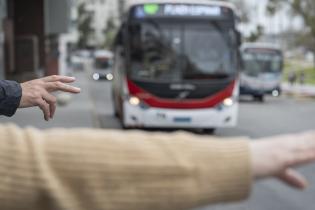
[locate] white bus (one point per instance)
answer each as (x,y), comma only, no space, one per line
(176,65)
(262,70)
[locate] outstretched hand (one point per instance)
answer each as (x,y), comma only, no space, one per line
(278,156)
(38,93)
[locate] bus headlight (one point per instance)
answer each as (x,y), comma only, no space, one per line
(228,102)
(134,101)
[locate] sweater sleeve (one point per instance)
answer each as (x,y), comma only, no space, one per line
(10,97)
(113,170)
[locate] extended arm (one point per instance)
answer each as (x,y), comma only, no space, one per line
(112,170)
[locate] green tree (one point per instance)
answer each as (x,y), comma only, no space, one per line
(244,17)
(255,35)
(84,26)
(110,33)
(304,9)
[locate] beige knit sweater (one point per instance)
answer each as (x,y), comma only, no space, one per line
(84,169)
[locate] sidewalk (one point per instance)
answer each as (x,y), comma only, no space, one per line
(78,113)
(299,90)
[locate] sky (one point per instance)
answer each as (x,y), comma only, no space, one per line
(279,23)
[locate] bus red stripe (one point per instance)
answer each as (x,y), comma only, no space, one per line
(157,102)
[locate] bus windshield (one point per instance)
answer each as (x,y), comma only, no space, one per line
(177,51)
(262,62)
(102,63)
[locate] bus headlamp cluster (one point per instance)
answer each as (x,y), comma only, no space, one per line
(134,101)
(228,102)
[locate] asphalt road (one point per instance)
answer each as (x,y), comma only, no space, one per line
(275,116)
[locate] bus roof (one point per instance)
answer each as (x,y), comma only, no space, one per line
(262,45)
(132,3)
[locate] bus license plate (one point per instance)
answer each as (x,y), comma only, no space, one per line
(182,119)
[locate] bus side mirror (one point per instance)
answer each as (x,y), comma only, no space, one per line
(238,38)
(120,51)
(241,61)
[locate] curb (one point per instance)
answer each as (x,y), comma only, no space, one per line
(299,95)
(300,91)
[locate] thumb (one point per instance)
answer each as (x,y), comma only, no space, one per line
(294,179)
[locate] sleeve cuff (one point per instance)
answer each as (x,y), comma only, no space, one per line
(12,93)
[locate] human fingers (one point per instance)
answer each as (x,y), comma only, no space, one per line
(293,179)
(58,78)
(44,107)
(59,86)
(52,101)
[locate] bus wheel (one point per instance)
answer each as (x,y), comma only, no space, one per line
(121,119)
(209,131)
(123,126)
(116,112)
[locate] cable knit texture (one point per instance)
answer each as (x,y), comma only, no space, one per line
(84,169)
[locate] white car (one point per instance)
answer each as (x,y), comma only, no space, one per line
(102,65)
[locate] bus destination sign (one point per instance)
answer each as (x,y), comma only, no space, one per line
(179,10)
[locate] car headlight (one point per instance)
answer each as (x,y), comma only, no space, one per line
(96,76)
(228,102)
(109,77)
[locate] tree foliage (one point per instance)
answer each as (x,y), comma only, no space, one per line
(304,9)
(85,29)
(255,35)
(243,10)
(110,32)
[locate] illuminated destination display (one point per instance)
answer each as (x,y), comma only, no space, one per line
(179,10)
(191,10)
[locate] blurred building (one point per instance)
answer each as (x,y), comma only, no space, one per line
(29,37)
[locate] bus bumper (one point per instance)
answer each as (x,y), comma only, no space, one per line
(276,91)
(217,117)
